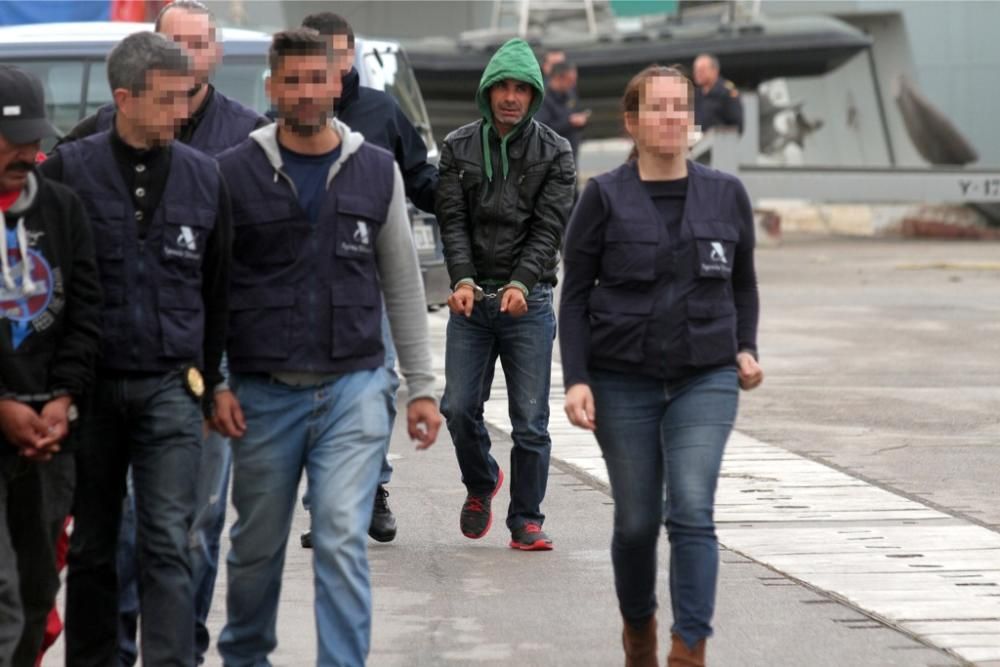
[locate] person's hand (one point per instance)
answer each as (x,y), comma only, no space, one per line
(579,406)
(462,300)
(750,372)
(513,302)
(579,119)
(55,414)
(423,421)
(24,428)
(228,415)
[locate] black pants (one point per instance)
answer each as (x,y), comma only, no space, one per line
(34,501)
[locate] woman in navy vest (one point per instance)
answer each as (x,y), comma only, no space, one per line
(659,312)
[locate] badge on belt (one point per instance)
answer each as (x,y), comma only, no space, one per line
(194,382)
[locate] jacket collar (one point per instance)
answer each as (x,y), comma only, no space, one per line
(267,138)
(351,90)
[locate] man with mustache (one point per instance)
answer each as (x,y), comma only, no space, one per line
(160,212)
(504,195)
(50,303)
(322,240)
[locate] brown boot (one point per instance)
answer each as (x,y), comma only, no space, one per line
(640,644)
(682,656)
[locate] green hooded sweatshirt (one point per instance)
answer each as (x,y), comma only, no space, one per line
(513,60)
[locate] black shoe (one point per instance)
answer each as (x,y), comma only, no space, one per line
(383,525)
(477,514)
(530,537)
(307,540)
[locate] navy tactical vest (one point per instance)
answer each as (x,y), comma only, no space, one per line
(153,315)
(662,303)
(305,297)
(226,123)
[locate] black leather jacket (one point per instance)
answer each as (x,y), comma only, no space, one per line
(508,228)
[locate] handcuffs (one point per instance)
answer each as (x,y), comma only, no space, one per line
(479,293)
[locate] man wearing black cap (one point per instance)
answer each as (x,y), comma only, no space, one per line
(49,316)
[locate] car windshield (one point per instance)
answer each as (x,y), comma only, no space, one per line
(393,71)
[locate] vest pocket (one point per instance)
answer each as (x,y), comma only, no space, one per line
(629,251)
(711,332)
(715,245)
(358,221)
(267,233)
(182,322)
(185,235)
(260,322)
(356,320)
(619,320)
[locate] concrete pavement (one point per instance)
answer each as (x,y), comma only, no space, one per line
(877,354)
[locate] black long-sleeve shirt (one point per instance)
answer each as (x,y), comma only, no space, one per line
(152,176)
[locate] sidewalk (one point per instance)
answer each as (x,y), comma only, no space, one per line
(442,599)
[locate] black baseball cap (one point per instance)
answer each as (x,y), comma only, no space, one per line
(22,107)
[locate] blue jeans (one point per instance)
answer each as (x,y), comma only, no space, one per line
(152,423)
(336,433)
(128,584)
(206,532)
(524,346)
(671,436)
(385,474)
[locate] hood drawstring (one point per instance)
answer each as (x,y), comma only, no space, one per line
(27,284)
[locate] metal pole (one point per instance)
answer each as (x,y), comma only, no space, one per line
(523,23)
(881,109)
(591,19)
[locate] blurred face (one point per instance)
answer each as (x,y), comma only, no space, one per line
(343,55)
(304,89)
(156,114)
(194,33)
(16,160)
(509,102)
(551,59)
(563,82)
(705,72)
(663,122)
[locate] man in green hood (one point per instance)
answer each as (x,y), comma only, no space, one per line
(504,195)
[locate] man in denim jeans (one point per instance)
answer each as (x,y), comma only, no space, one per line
(323,240)
(504,195)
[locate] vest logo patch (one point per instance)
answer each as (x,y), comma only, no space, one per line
(361,233)
(184,246)
(360,242)
(718,253)
(186,239)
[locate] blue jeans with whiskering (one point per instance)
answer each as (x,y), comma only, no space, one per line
(335,432)
(524,347)
(657,437)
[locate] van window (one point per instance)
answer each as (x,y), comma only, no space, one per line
(243,80)
(398,80)
(63,83)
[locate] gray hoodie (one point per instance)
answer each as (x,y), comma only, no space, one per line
(398,267)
